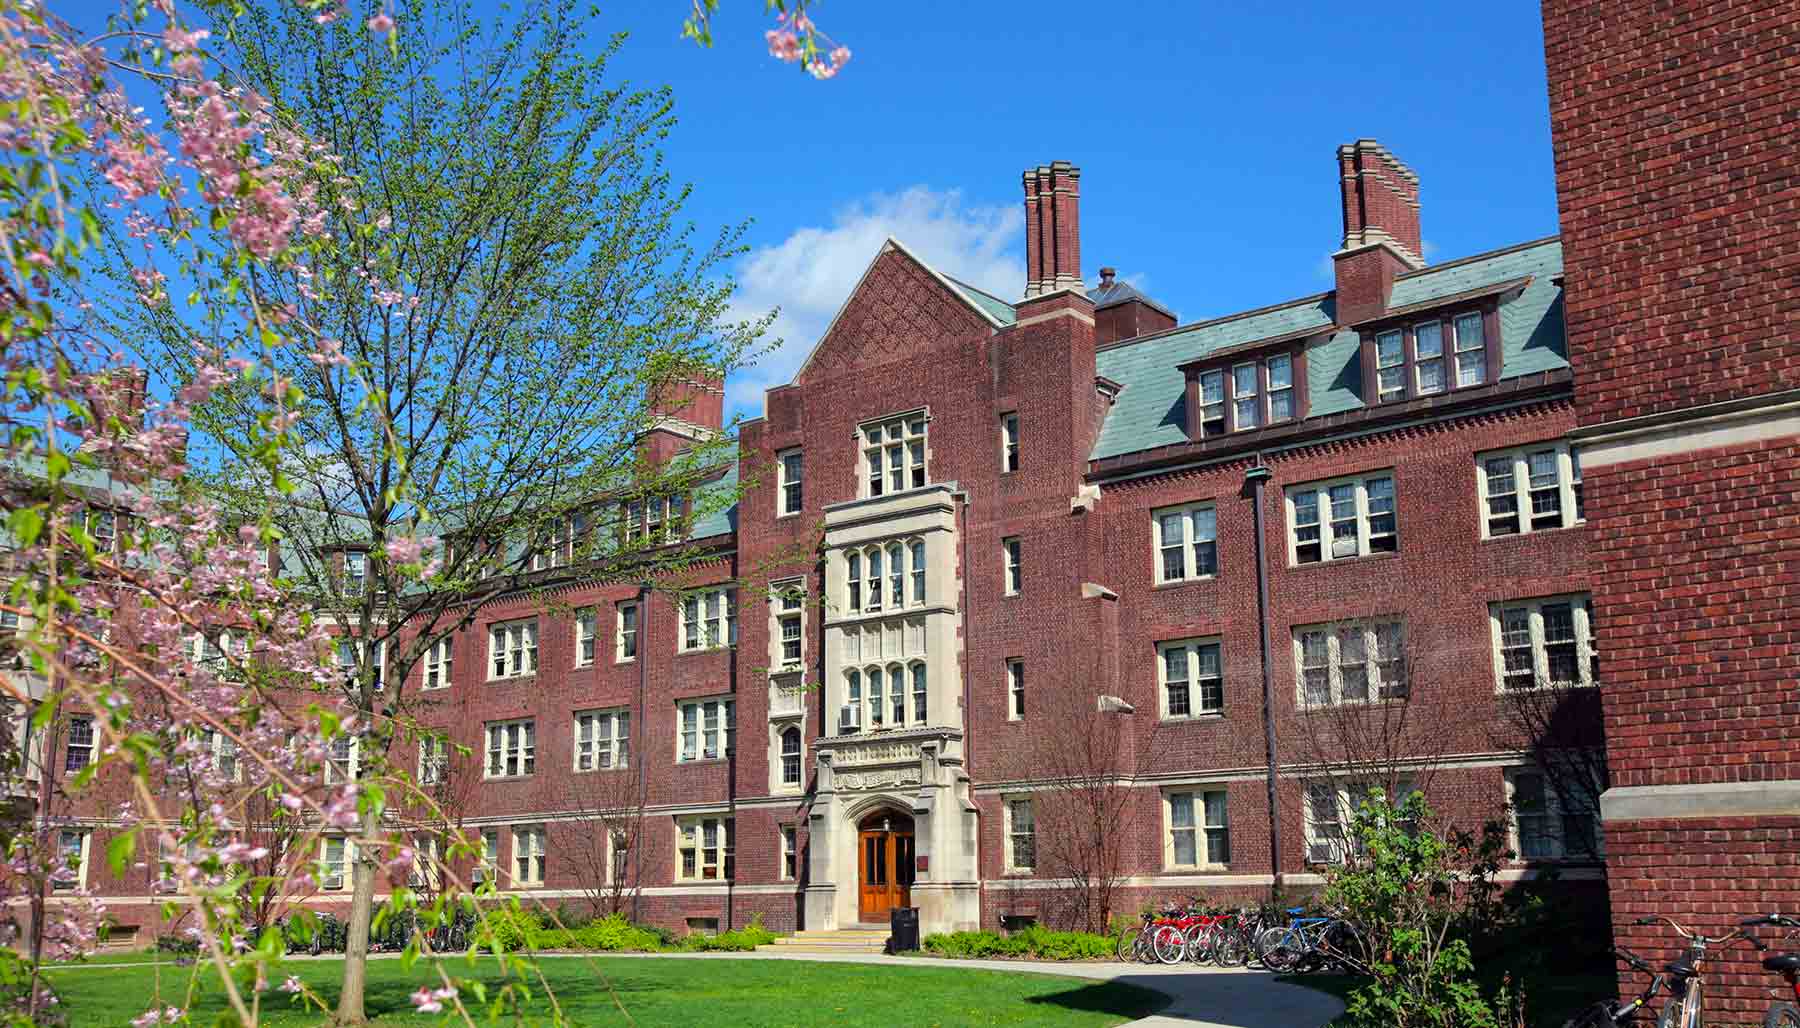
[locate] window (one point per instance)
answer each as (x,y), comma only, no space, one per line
(1246,408)
(437,664)
(1193,680)
(886,570)
(434,759)
(790,853)
(511,749)
(1280,370)
(1546,826)
(1187,545)
(512,649)
(602,739)
(626,643)
(1014,573)
(705,844)
(850,717)
(1329,807)
(345,762)
(72,847)
(335,855)
(356,571)
(654,521)
(1390,367)
(586,623)
(103,528)
(790,756)
(621,857)
(1212,403)
(427,861)
(1009,442)
(1529,490)
(79,750)
(877,712)
(919,693)
(707,728)
(350,653)
(709,619)
(222,752)
(1347,518)
(489,862)
(788,473)
(789,605)
(1199,835)
(1021,837)
(894,455)
(1015,689)
(1471,350)
(1546,642)
(1350,663)
(528,856)
(1428,358)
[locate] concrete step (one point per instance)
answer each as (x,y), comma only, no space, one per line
(843,940)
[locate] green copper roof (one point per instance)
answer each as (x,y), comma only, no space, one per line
(1000,310)
(1151,409)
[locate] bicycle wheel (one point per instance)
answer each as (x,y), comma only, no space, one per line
(1229,949)
(1170,943)
(1127,949)
(1600,1015)
(1782,1015)
(1275,950)
(1675,1015)
(1199,944)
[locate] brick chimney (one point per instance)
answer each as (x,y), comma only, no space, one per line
(682,410)
(1053,229)
(1381,229)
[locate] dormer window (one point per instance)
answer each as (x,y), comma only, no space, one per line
(1430,356)
(1245,394)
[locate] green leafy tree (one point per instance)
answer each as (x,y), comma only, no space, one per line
(1409,895)
(514,299)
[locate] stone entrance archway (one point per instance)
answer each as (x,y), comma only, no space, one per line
(885,864)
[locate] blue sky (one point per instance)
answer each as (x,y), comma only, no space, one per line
(1206,135)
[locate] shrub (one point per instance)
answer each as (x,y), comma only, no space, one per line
(1033,943)
(508,928)
(737,940)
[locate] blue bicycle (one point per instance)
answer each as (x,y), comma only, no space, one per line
(1309,943)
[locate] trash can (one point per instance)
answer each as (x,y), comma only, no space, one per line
(903,929)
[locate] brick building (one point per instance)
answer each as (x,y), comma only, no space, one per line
(1674,127)
(1268,558)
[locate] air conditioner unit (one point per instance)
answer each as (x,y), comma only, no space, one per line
(849,717)
(334,881)
(1322,853)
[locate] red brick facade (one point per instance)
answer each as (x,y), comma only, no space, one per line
(1674,126)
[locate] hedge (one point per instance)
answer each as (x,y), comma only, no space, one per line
(1033,943)
(525,931)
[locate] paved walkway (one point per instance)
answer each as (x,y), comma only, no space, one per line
(1201,997)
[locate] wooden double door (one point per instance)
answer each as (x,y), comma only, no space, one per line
(884,865)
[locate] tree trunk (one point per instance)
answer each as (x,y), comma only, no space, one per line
(362,911)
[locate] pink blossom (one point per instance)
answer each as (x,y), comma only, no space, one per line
(783,45)
(431,1001)
(292,984)
(381,24)
(180,41)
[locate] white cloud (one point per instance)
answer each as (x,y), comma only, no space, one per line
(809,274)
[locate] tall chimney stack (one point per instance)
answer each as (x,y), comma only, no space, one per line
(1053,229)
(1381,228)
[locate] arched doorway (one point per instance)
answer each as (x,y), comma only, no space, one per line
(884,864)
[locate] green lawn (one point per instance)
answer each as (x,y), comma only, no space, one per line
(665,991)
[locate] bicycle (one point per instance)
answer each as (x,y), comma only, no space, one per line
(1307,943)
(1686,978)
(1607,1013)
(1787,965)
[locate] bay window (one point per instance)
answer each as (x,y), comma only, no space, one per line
(892,573)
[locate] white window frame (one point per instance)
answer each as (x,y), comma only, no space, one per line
(789,835)
(438,664)
(356,581)
(1009,442)
(79,736)
(783,757)
(347,766)
(714,729)
(512,649)
(602,733)
(1196,707)
(893,461)
(434,759)
(338,870)
(487,862)
(871,576)
(1556,819)
(1015,688)
(628,623)
(1013,558)
(354,648)
(1200,829)
(587,629)
(222,752)
(654,520)
(529,852)
(1365,536)
(1371,632)
(1347,796)
(787,609)
(1445,361)
(790,488)
(1581,609)
(1478,351)
(1383,392)
(82,850)
(715,863)
(1570,511)
(1271,391)
(1013,834)
(1189,543)
(708,620)
(517,748)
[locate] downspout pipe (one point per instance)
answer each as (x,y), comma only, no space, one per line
(1257,478)
(643,797)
